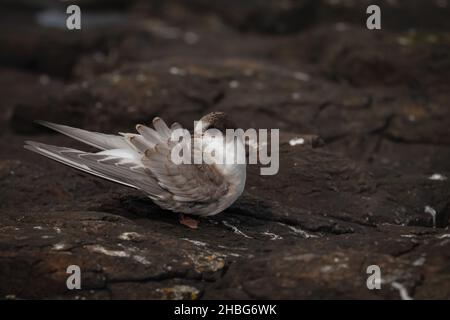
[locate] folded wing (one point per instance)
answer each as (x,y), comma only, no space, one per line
(142,161)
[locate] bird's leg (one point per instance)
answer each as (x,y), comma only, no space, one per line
(188,221)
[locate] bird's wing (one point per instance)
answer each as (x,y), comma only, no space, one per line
(142,161)
(98,140)
(188,184)
(112,165)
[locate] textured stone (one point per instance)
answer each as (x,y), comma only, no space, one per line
(364,153)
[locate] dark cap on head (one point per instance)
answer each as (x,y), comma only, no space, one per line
(217,120)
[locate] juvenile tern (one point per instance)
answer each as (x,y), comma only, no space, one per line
(143,161)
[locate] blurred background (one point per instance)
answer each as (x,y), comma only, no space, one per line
(306,66)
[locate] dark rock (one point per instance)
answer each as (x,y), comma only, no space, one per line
(399,15)
(276,17)
(364,153)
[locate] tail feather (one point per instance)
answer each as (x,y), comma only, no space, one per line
(120,158)
(98,140)
(57,154)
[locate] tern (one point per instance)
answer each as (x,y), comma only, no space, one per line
(143,161)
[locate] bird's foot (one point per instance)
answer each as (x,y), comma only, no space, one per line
(188,221)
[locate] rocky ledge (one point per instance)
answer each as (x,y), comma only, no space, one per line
(375,192)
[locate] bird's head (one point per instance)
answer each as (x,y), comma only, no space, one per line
(215,120)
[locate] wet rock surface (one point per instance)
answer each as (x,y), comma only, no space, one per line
(372,190)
